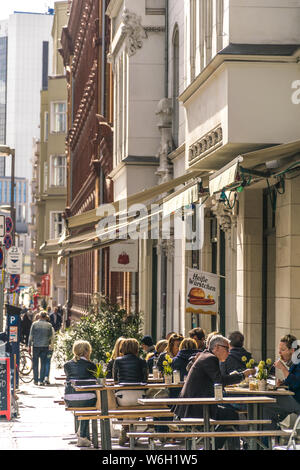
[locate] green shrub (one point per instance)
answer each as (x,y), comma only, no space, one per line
(102,326)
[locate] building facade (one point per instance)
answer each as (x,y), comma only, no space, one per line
(49,181)
(205,112)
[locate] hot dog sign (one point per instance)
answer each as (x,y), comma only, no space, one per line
(202,292)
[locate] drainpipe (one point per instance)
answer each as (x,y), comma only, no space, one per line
(167,49)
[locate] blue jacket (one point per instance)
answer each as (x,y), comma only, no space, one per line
(293,380)
(180,361)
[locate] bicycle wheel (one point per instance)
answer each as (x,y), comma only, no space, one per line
(25,366)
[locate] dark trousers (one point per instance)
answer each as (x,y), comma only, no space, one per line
(84,426)
(276,412)
(226,413)
(39,358)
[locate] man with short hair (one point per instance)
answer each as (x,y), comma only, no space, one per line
(198,334)
(147,344)
(234,361)
(202,377)
(40,336)
(55,319)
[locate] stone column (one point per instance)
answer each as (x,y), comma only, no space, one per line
(249,269)
(287,290)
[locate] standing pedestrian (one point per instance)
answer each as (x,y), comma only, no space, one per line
(39,340)
(55,319)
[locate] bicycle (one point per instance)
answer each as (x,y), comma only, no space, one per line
(25,365)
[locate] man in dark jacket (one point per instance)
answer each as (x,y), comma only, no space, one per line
(234,360)
(202,376)
(55,319)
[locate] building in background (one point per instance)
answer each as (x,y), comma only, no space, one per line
(49,179)
(85,44)
(24,64)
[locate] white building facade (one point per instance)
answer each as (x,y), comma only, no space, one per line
(198,83)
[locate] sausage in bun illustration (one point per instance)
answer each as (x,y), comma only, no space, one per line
(197,297)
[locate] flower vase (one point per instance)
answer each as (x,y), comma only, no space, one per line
(168,379)
(262,385)
(100,381)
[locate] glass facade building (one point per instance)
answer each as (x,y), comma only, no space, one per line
(3,97)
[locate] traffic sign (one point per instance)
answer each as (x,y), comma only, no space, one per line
(8,224)
(14,260)
(7,241)
(14,282)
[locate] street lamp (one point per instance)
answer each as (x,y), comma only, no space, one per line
(6,151)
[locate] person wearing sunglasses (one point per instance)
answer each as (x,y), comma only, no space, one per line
(200,381)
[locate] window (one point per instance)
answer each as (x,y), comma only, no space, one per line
(5,192)
(58,171)
(59,117)
(46,126)
(175,86)
(24,192)
(45,177)
(56,225)
(0,191)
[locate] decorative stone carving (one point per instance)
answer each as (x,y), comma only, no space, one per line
(134,31)
(207,143)
(164,113)
(227,218)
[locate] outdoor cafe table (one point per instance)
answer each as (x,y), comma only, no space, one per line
(253,401)
(103,389)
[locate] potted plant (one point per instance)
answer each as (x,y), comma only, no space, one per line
(100,372)
(249,365)
(263,373)
(168,371)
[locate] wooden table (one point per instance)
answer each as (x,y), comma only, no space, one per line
(245,391)
(253,401)
(103,389)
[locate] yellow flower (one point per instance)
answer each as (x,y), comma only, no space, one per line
(169,360)
(251,361)
(167,357)
(107,354)
(244,359)
(269,362)
(165,363)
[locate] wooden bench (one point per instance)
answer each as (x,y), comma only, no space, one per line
(188,423)
(191,437)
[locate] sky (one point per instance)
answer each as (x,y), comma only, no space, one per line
(38,6)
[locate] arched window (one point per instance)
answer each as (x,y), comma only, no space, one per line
(175,85)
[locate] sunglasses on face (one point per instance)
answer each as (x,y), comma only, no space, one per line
(225,347)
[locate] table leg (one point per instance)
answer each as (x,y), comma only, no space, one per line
(206,426)
(253,414)
(104,423)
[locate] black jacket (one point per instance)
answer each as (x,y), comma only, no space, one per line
(130,368)
(180,361)
(234,361)
(79,373)
(200,381)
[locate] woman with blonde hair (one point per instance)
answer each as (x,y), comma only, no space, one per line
(115,353)
(79,371)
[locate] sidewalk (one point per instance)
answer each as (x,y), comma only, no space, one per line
(41,424)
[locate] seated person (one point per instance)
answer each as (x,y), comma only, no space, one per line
(285,405)
(198,334)
(171,349)
(115,353)
(129,368)
(187,348)
(234,360)
(204,373)
(80,371)
(152,356)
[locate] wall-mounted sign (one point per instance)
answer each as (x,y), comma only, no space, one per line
(45,285)
(8,224)
(123,256)
(14,260)
(202,292)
